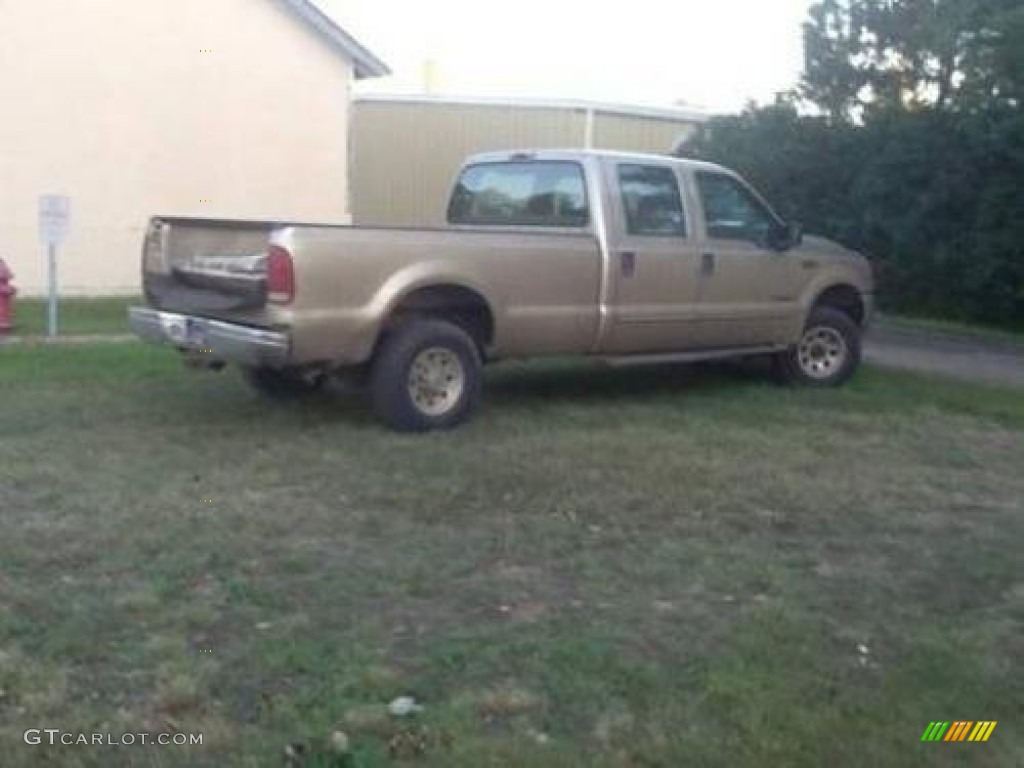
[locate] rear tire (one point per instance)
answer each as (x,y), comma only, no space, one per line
(282,384)
(427,375)
(827,354)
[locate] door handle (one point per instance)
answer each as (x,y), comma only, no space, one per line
(707,263)
(628,263)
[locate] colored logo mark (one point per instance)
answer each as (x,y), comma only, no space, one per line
(959,730)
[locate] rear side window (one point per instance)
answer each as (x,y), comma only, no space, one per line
(651,200)
(534,194)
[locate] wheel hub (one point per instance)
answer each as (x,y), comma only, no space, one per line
(436,381)
(822,352)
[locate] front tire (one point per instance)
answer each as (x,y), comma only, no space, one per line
(827,354)
(426,375)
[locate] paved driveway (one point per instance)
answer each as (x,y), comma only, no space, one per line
(946,354)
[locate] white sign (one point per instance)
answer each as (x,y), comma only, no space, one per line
(54,219)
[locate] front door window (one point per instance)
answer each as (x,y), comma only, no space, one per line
(731,211)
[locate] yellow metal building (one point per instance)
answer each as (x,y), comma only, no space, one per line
(406,150)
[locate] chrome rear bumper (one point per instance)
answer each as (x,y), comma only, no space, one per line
(218,341)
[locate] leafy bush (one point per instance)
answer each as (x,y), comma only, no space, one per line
(936,200)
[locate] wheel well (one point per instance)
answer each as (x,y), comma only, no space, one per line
(846,299)
(459,305)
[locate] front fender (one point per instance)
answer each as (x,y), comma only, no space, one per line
(835,278)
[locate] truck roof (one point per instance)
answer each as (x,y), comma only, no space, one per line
(508,155)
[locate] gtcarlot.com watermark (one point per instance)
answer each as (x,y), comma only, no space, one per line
(55,737)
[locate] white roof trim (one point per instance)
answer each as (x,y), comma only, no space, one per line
(680,114)
(365,63)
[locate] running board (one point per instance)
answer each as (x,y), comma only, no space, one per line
(697,356)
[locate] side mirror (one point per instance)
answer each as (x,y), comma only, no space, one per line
(780,238)
(784,238)
(794,234)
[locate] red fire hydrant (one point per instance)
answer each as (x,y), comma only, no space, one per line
(7,294)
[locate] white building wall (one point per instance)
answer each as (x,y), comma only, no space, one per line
(220,108)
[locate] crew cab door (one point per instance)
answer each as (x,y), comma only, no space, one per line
(654,261)
(747,292)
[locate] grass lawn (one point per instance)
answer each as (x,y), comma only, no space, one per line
(607,568)
(75,316)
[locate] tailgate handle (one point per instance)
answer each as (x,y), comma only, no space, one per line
(707,264)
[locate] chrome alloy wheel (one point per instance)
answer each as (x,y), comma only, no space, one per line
(436,381)
(822,352)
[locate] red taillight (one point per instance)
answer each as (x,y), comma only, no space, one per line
(280,276)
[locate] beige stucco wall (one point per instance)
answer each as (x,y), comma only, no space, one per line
(230,108)
(405,154)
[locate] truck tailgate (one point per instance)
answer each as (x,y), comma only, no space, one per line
(212,268)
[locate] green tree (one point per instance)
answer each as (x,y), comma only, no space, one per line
(864,56)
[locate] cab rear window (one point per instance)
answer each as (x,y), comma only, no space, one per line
(531,194)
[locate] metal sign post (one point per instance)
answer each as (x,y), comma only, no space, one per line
(54,226)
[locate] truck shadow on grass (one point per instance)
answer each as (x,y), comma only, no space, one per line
(512,388)
(581,382)
(509,389)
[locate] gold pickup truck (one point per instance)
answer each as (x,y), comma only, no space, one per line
(623,257)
